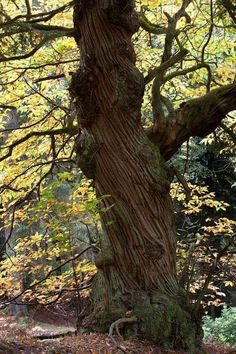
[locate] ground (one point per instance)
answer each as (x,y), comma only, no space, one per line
(19,336)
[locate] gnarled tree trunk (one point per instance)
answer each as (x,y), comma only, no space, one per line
(137,268)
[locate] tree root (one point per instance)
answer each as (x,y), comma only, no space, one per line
(115,325)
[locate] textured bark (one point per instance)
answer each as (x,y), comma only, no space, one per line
(127,167)
(137,262)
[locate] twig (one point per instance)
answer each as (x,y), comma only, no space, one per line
(28,126)
(49,273)
(229,132)
(184,183)
(72,131)
(50,77)
(211,273)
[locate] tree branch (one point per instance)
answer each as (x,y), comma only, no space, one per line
(50,272)
(171,32)
(149,26)
(160,70)
(68,130)
(186,71)
(158,75)
(39,17)
(49,77)
(228,131)
(230,8)
(30,125)
(196,117)
(27,55)
(28,7)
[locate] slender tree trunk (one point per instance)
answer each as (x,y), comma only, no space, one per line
(137,267)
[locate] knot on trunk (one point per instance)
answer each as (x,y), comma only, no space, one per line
(154,252)
(130,89)
(82,88)
(104,259)
(123,15)
(86,147)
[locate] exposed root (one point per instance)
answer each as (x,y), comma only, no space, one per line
(115,325)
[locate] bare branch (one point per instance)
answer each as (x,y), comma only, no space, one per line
(25,56)
(49,273)
(38,165)
(5,106)
(50,77)
(67,130)
(171,29)
(150,27)
(28,126)
(39,17)
(36,67)
(160,70)
(28,7)
(184,183)
(185,71)
(158,74)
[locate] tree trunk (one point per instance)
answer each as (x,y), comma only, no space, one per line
(137,266)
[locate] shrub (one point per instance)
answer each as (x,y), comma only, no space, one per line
(222,329)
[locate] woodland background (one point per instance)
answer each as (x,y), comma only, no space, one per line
(50,227)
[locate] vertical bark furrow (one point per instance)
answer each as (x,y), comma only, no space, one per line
(108,89)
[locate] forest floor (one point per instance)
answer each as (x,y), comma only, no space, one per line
(19,336)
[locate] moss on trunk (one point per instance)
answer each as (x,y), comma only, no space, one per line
(169,321)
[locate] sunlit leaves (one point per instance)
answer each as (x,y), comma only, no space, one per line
(200,197)
(203,242)
(222,226)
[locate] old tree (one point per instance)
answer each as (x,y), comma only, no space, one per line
(124,147)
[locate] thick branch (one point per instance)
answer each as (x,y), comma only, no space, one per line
(231,9)
(158,75)
(196,117)
(171,29)
(149,26)
(186,71)
(160,70)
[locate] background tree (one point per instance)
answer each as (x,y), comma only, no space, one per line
(123,151)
